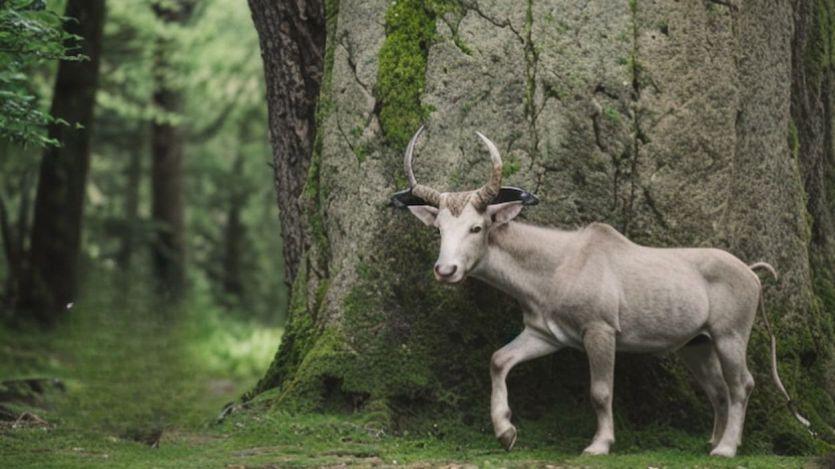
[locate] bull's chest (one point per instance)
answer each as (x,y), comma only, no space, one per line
(561,331)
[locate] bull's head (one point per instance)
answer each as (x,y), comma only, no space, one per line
(465,219)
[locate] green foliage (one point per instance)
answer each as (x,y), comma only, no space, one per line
(133,367)
(300,338)
(209,61)
(30,35)
(227,346)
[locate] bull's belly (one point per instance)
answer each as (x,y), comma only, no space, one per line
(629,339)
(660,332)
(641,334)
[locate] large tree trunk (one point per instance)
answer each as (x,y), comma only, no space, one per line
(676,122)
(292,38)
(167,141)
(52,279)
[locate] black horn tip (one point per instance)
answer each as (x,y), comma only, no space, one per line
(514,194)
(405,198)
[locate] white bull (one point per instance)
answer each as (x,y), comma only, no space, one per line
(594,290)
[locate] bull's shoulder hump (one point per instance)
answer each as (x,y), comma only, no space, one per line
(605,233)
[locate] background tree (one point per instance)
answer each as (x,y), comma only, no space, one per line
(31,36)
(221,122)
(664,119)
(51,281)
(167,141)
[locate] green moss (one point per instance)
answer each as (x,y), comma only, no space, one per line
(256,439)
(361,152)
(818,50)
(511,167)
(313,191)
(301,333)
(410,28)
(794,139)
(612,114)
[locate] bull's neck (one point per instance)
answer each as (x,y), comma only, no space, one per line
(521,259)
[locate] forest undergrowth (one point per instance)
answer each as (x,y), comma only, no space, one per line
(125,383)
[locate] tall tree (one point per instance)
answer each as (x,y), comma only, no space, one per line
(167,142)
(53,271)
(133,176)
(662,118)
(234,233)
(292,38)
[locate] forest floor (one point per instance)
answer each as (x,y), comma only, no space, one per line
(118,386)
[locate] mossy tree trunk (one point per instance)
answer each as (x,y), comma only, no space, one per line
(679,123)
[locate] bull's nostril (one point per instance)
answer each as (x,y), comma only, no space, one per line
(445,270)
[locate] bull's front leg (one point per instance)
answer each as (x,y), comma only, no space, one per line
(599,342)
(526,346)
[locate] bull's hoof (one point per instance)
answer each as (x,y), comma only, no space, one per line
(723,451)
(597,449)
(508,438)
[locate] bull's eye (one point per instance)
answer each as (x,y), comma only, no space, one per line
(475,229)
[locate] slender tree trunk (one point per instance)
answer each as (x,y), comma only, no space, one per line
(292,38)
(167,141)
(14,239)
(133,176)
(52,279)
(234,233)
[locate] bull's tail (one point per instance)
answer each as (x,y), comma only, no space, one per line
(774,374)
(766,266)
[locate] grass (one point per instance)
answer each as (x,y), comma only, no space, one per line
(144,385)
(275,439)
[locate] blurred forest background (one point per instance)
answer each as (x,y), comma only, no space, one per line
(140,152)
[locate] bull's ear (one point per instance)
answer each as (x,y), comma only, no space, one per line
(503,213)
(426,213)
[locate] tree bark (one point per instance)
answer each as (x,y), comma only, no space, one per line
(53,271)
(810,140)
(675,122)
(233,237)
(292,38)
(14,239)
(167,142)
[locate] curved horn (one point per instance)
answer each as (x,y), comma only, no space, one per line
(490,190)
(431,196)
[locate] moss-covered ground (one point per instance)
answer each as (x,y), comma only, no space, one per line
(275,439)
(124,384)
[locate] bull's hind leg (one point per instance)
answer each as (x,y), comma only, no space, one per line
(599,342)
(731,349)
(526,346)
(700,358)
